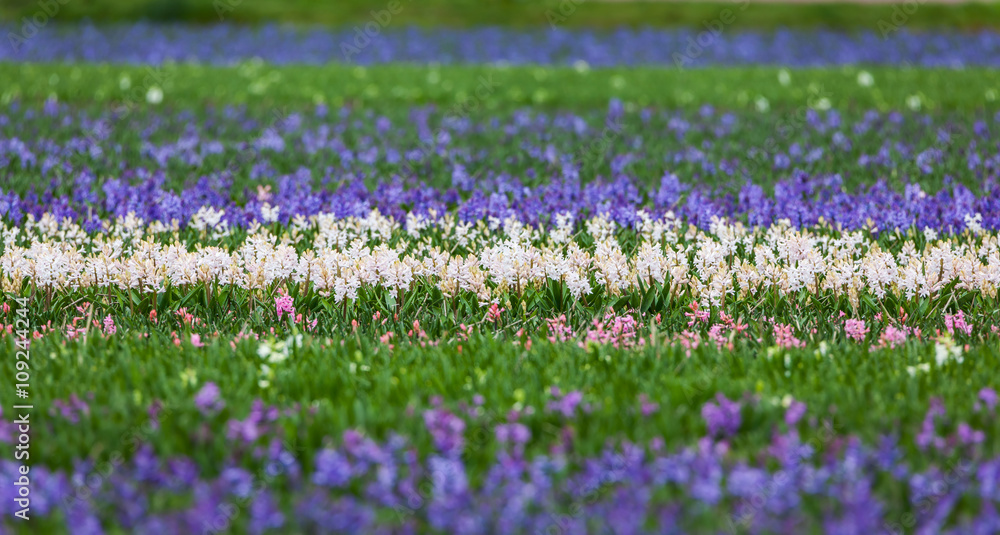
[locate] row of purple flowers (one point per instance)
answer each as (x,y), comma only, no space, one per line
(356,162)
(804,200)
(830,483)
(227,44)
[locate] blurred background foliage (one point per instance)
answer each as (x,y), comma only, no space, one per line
(603,14)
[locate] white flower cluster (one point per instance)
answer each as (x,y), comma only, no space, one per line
(339,257)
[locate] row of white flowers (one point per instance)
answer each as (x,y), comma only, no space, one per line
(489,258)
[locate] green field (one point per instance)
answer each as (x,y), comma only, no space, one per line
(473,88)
(500,288)
(363,385)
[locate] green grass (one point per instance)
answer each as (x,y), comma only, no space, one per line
(464,13)
(361,384)
(260,85)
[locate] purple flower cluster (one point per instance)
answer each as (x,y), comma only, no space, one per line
(364,486)
(208,399)
(804,201)
(723,418)
(227,44)
(447,431)
(565,404)
(943,171)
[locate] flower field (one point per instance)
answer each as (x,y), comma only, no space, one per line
(225,44)
(540,285)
